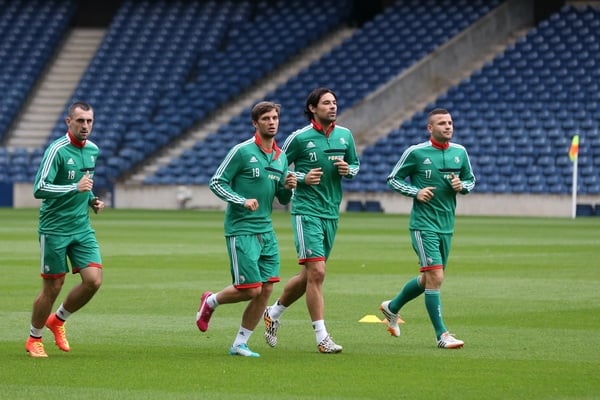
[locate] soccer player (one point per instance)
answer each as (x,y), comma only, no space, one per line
(64,182)
(251,176)
(437,170)
(323,153)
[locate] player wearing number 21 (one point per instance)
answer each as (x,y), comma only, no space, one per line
(323,153)
(251,176)
(437,170)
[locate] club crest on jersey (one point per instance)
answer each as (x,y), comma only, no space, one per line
(457,160)
(342,141)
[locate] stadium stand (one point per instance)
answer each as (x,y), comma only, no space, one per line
(164,66)
(518,113)
(30,31)
(385,46)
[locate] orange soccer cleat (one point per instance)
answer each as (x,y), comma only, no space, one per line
(35,347)
(57,327)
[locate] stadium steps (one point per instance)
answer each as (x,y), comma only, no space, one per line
(48,99)
(225,113)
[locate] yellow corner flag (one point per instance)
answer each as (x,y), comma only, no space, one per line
(574,150)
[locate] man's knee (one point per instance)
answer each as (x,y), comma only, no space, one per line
(315,271)
(92,278)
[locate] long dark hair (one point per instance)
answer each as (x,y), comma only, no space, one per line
(313,100)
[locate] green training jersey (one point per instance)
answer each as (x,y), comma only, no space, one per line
(64,210)
(309,148)
(428,164)
(249,173)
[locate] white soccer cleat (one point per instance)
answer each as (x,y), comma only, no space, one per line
(327,345)
(392,319)
(448,341)
(271,327)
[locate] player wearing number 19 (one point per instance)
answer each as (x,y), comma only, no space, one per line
(438,170)
(251,176)
(64,182)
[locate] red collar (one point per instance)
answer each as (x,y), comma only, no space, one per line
(438,145)
(74,141)
(319,128)
(275,148)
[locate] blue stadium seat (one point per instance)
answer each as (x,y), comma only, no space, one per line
(355,205)
(584,210)
(373,206)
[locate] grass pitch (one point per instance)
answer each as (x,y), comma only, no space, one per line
(521,292)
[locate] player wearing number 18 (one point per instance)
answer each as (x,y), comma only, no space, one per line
(64,182)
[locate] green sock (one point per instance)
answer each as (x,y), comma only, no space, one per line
(411,290)
(433,303)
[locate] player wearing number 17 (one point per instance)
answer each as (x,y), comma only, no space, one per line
(437,170)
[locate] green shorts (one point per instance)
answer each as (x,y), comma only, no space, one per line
(432,248)
(253,259)
(313,237)
(81,250)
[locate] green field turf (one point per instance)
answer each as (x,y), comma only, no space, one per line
(523,293)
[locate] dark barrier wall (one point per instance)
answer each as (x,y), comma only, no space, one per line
(6,194)
(543,8)
(95,14)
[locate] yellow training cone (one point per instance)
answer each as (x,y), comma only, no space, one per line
(370,319)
